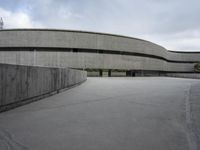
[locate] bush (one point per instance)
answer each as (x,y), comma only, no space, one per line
(197,67)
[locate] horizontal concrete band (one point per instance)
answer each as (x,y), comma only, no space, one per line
(75,50)
(90,61)
(24,83)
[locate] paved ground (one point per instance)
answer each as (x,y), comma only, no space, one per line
(109,114)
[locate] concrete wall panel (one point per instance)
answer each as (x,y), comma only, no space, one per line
(76,39)
(18,83)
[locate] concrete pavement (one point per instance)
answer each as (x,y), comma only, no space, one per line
(154,113)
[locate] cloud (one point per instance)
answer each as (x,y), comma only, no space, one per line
(184,40)
(173,24)
(18,20)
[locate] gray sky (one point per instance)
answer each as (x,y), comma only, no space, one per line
(174,24)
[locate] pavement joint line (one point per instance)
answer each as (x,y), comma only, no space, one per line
(189,130)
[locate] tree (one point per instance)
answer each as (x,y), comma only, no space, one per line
(197,67)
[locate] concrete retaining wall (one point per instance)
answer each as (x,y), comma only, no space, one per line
(22,84)
(184,75)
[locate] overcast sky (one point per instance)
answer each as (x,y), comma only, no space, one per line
(174,24)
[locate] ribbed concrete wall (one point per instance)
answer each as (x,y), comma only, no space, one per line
(183,56)
(49,48)
(91,60)
(24,83)
(76,39)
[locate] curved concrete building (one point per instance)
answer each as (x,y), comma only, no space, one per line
(95,52)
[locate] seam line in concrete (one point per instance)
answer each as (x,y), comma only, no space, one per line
(189,131)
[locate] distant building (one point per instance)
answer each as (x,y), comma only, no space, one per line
(98,53)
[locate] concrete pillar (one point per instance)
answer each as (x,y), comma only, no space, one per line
(34,57)
(142,73)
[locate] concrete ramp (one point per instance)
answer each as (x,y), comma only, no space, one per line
(151,113)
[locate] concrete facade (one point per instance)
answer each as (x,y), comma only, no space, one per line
(89,50)
(27,83)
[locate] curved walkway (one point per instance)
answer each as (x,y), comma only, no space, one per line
(151,113)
